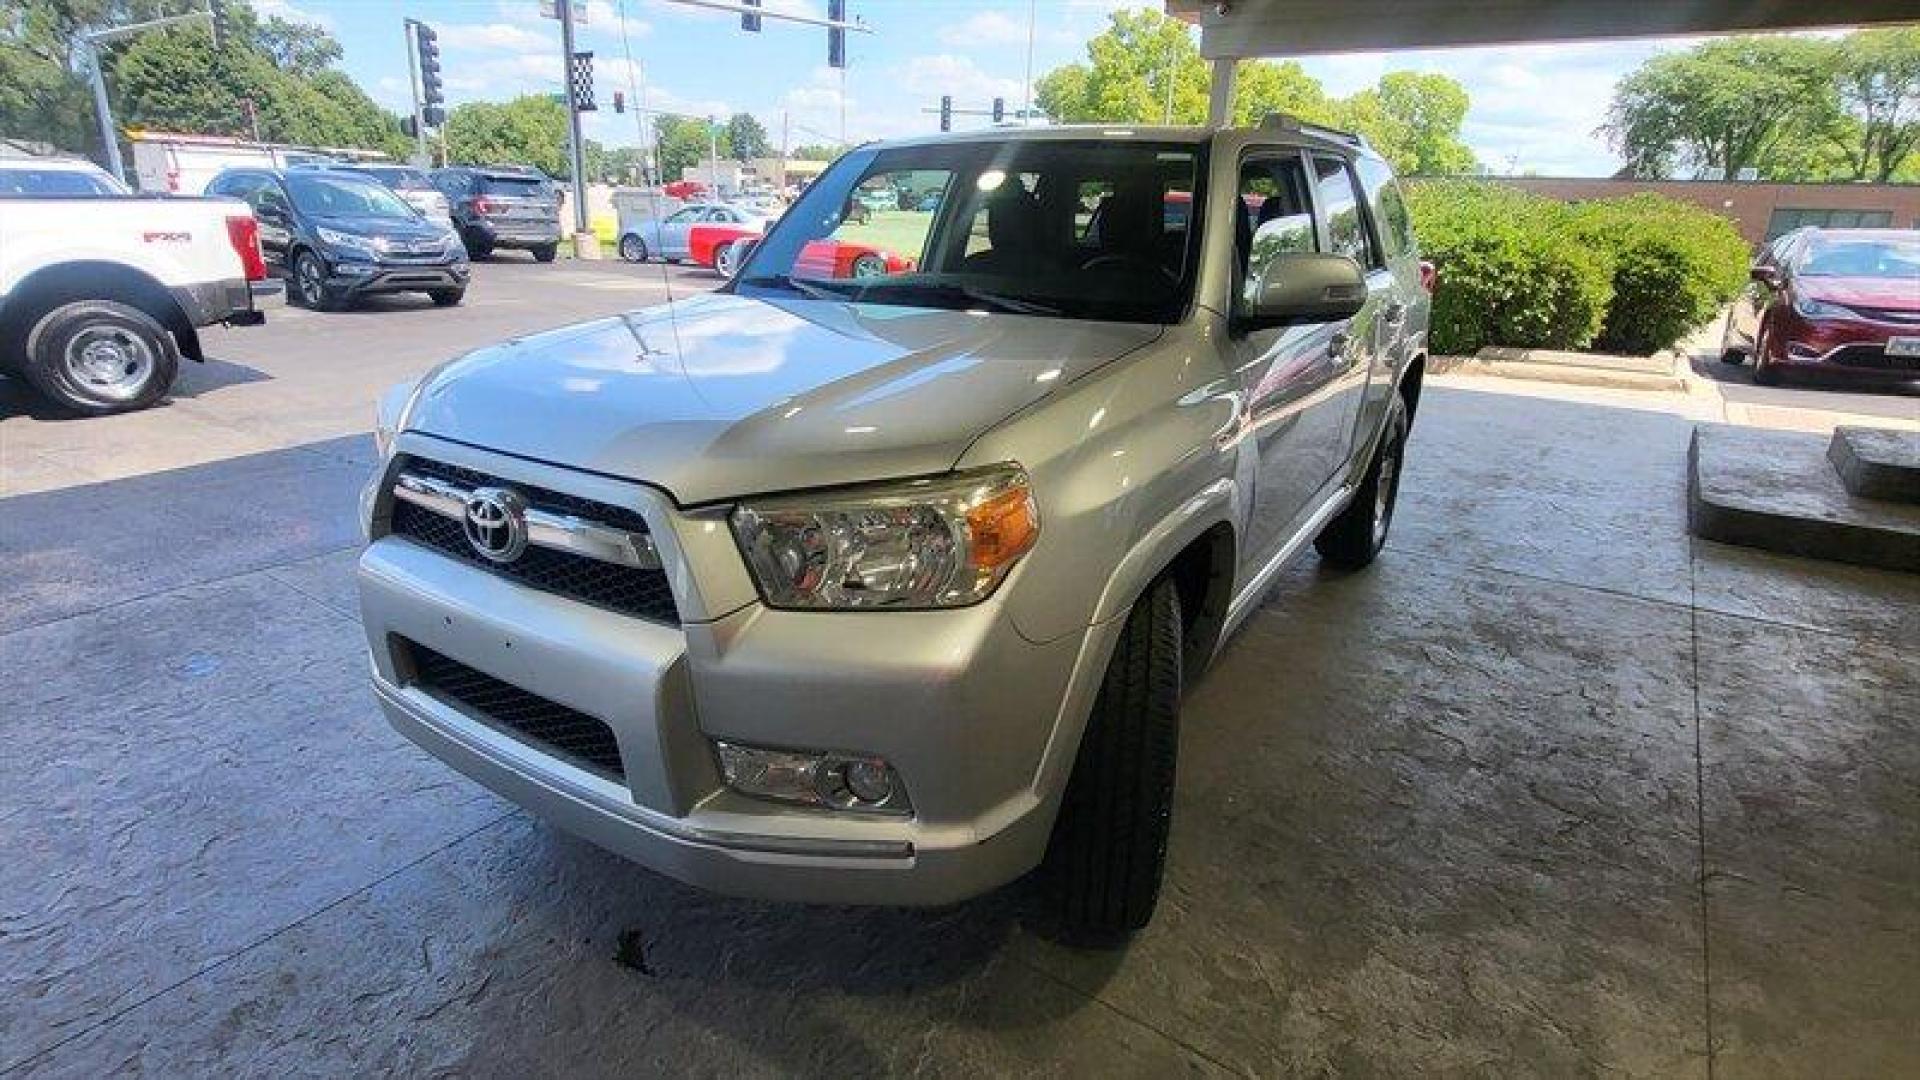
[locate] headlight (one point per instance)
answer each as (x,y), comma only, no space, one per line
(349,242)
(1809,308)
(941,542)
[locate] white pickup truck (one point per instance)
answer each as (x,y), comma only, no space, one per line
(102,292)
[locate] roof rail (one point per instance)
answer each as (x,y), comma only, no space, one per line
(1290,122)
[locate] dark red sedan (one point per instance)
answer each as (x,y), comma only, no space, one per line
(1838,301)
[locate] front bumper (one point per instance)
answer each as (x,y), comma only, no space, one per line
(979,723)
(1851,348)
(368,278)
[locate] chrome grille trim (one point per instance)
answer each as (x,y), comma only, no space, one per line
(556,532)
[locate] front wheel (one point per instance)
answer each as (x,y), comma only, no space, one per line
(96,357)
(1764,373)
(310,283)
(447,297)
(633,249)
(1108,852)
(1355,538)
(545,252)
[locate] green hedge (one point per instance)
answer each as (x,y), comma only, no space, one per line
(1622,275)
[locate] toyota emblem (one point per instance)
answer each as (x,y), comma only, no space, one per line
(496,523)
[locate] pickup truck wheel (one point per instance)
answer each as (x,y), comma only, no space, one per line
(1353,539)
(545,252)
(97,357)
(1109,844)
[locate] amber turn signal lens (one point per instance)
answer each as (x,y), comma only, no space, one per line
(1002,528)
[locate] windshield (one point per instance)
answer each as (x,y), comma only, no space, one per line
(342,196)
(1092,229)
(35,183)
(1894,257)
(402,179)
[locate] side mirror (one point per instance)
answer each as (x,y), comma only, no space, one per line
(1298,287)
(1766,275)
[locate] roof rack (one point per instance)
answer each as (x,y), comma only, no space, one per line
(1290,122)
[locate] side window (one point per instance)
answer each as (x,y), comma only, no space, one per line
(268,197)
(1275,216)
(1340,208)
(684,216)
(1390,216)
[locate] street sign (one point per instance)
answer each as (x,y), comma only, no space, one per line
(582,80)
(550,10)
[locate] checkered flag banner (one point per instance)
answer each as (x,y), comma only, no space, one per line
(582,80)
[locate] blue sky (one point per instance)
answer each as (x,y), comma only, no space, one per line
(1533,107)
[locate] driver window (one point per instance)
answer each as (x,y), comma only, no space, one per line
(1276,216)
(267,197)
(681,217)
(874,236)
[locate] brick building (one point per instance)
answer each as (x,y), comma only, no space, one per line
(1761,211)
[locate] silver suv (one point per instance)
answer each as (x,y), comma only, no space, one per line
(864,586)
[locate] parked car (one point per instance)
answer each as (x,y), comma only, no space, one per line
(886,590)
(848,259)
(671,237)
(102,293)
(503,207)
(413,186)
(338,237)
(34,178)
(1843,303)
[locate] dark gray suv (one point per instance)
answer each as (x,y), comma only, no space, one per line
(503,206)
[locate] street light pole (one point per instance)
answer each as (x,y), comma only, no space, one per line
(581,237)
(713,156)
(104,111)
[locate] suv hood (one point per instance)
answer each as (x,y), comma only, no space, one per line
(392,228)
(1894,294)
(723,396)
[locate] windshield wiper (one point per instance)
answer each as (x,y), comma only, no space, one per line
(800,285)
(1011,304)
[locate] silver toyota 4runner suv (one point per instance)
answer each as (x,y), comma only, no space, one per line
(878,580)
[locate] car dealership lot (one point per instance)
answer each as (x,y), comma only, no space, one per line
(1603,798)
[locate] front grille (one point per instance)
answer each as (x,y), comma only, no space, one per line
(1875,358)
(1896,316)
(627,590)
(573,736)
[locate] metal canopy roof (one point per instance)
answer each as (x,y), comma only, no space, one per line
(1244,28)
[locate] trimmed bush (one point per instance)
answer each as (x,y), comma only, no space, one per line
(1631,275)
(1674,264)
(1512,269)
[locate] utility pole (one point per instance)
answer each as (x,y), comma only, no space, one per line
(713,157)
(1026,107)
(784,144)
(583,240)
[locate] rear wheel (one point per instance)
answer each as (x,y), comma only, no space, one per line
(1355,538)
(545,252)
(97,357)
(1729,352)
(724,261)
(633,249)
(1109,846)
(478,247)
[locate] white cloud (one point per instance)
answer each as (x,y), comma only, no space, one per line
(494,36)
(284,9)
(950,73)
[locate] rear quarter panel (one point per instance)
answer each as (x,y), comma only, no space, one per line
(175,241)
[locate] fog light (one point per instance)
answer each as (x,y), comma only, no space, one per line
(822,779)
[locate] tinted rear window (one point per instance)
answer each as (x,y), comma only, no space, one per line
(513,185)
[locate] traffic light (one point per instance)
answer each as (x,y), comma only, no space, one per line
(749,21)
(999,109)
(836,37)
(946,112)
(434,115)
(409,128)
(620,101)
(427,44)
(222,24)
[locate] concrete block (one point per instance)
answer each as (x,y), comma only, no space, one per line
(1877,463)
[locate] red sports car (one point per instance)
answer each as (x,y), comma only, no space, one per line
(847,259)
(1839,301)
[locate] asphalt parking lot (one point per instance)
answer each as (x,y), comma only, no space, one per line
(1553,790)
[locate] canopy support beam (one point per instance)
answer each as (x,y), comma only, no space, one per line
(1220,97)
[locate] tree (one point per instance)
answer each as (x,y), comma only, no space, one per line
(1145,68)
(746,139)
(43,89)
(1731,104)
(529,130)
(683,142)
(815,152)
(1414,120)
(1878,84)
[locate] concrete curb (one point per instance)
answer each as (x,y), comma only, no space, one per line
(1776,515)
(1615,373)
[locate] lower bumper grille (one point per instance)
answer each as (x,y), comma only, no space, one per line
(566,733)
(1874,358)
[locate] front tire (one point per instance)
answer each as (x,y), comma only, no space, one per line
(447,297)
(309,283)
(1108,852)
(1354,539)
(1764,374)
(633,249)
(545,252)
(96,357)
